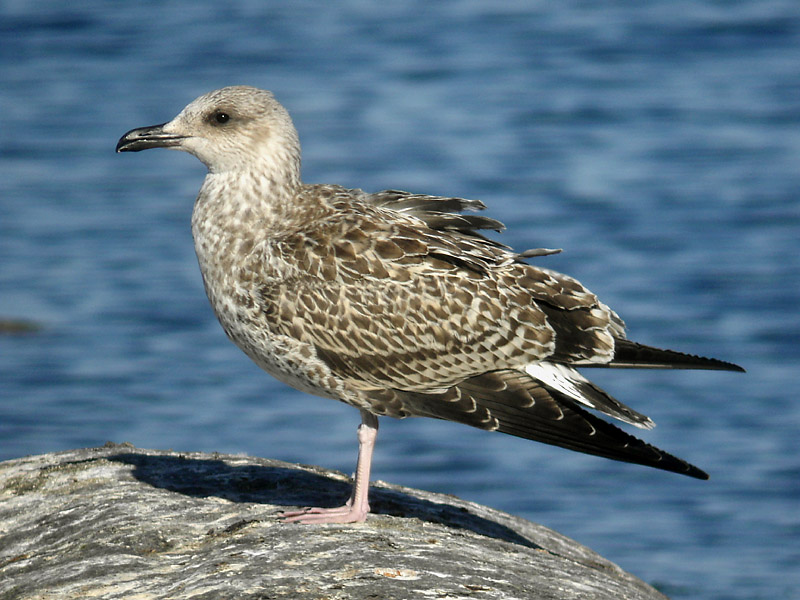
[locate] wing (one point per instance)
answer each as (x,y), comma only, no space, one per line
(388,302)
(438,212)
(444,323)
(442,214)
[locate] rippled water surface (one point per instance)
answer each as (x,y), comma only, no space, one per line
(657,142)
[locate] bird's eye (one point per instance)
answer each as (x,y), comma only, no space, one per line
(221,117)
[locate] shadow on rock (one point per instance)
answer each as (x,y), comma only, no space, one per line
(291,487)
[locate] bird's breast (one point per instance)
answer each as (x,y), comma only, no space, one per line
(241,265)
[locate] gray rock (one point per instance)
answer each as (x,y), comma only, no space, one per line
(121,522)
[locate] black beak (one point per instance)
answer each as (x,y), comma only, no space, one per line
(143,138)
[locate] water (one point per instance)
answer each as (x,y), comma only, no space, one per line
(656,142)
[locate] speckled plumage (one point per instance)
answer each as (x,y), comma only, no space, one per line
(395,303)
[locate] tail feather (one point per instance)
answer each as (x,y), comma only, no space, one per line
(513,402)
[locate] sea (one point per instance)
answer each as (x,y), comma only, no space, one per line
(656,142)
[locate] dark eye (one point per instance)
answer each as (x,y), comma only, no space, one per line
(221,117)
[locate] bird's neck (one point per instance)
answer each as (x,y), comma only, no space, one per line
(230,199)
(235,216)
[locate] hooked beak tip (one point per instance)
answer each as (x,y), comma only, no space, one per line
(143,138)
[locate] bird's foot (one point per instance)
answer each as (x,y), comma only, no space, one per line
(342,514)
(356,508)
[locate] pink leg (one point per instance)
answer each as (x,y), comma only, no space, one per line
(356,508)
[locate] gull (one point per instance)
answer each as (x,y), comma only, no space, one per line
(396,303)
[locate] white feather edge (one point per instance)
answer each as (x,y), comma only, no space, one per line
(565,379)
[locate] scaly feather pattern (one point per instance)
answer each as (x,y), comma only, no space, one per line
(396,303)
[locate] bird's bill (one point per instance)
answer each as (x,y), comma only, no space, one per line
(143,138)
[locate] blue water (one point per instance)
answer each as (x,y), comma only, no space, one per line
(657,142)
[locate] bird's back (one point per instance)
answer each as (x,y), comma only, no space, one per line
(399,291)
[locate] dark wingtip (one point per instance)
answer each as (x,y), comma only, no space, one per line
(696,473)
(633,355)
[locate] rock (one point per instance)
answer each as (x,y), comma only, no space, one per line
(121,522)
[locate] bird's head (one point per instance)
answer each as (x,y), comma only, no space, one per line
(231,129)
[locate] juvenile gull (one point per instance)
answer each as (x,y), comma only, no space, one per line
(393,302)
